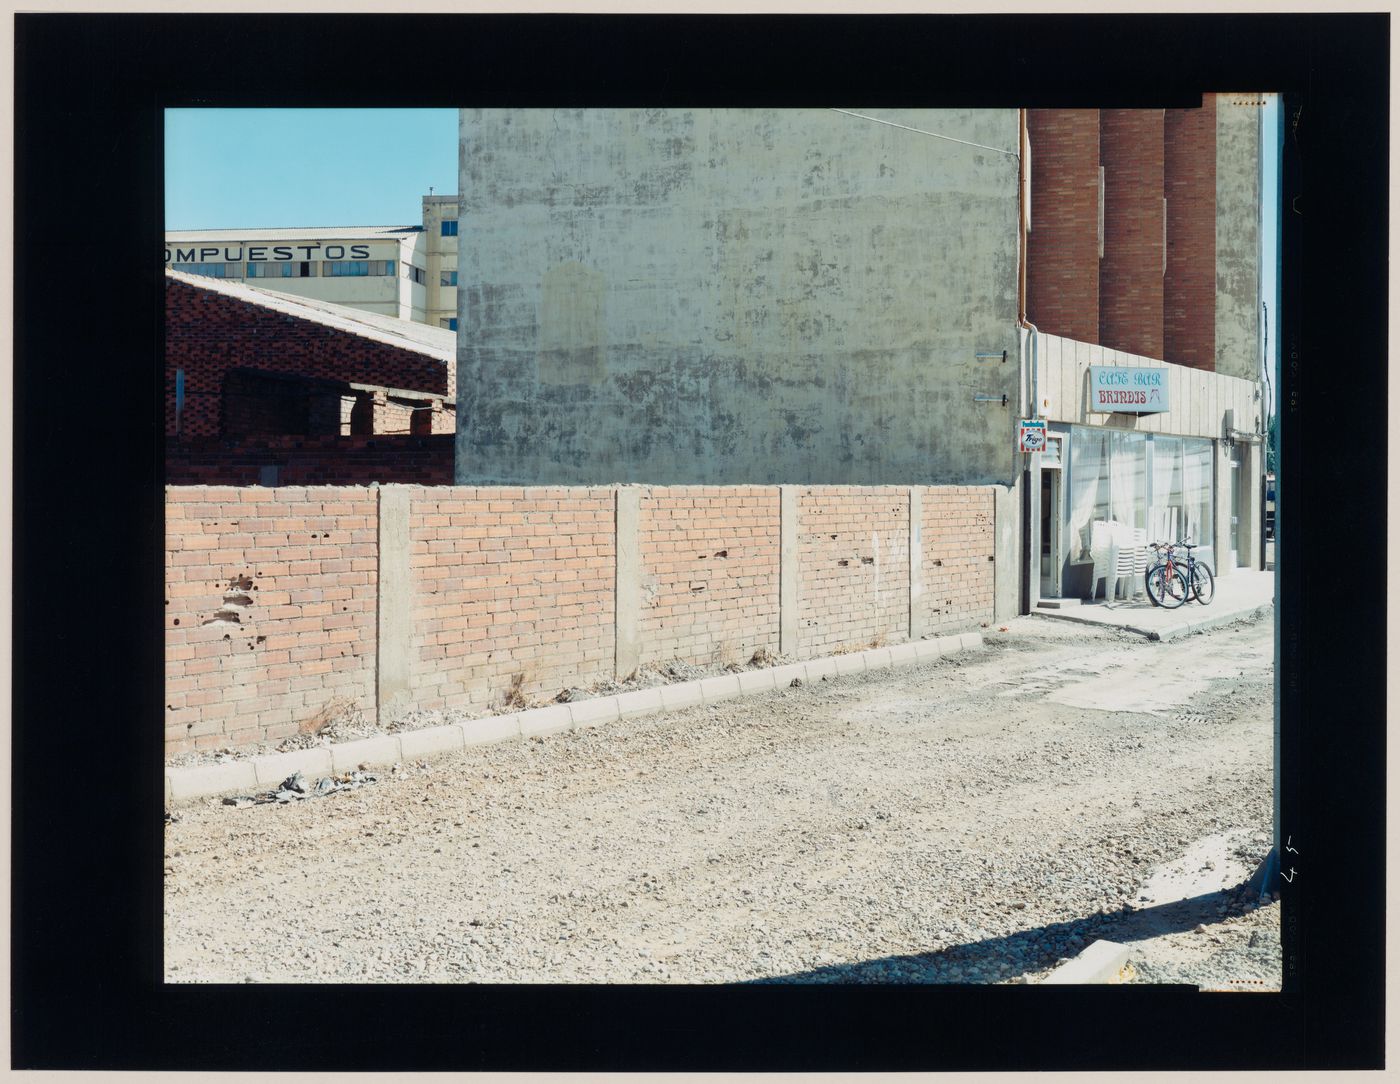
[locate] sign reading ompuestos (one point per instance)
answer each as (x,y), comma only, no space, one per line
(1118,390)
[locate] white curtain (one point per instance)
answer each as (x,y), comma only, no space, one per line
(1197,524)
(1128,459)
(1088,460)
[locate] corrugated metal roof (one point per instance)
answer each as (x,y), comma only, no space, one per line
(433,342)
(312,233)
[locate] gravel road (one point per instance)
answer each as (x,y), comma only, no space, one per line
(973,819)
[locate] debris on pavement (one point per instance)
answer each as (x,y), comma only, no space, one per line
(294,788)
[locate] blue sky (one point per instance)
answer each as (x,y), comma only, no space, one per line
(229,168)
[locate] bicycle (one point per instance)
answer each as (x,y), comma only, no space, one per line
(1171,583)
(1200,579)
(1166,583)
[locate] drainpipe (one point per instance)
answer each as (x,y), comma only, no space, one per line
(1023,178)
(1024,159)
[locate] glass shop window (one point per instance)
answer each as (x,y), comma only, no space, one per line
(1108,481)
(1198,488)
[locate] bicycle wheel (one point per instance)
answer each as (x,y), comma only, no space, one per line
(1166,589)
(1202,583)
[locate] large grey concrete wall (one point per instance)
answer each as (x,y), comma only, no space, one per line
(1237,224)
(730,296)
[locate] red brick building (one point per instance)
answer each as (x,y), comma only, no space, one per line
(1122,250)
(267,388)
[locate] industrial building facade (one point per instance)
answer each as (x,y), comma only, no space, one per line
(269,388)
(874,297)
(408,272)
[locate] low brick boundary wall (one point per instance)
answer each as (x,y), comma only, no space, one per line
(286,604)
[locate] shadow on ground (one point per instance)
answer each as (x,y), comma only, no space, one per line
(998,959)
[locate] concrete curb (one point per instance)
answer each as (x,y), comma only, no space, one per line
(1185,628)
(381,751)
(1099,963)
(1170,632)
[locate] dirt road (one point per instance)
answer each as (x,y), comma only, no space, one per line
(974,819)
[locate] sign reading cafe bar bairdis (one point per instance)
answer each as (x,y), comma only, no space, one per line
(1116,390)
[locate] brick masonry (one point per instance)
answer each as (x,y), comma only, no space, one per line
(512,590)
(853,567)
(1188,292)
(1131,272)
(959,575)
(710,560)
(1062,270)
(269,610)
(209,335)
(272,594)
(300,461)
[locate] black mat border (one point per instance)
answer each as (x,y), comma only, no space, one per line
(85,939)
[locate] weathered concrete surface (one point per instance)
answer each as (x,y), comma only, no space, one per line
(627,620)
(787,570)
(1237,224)
(735,296)
(916,561)
(394,678)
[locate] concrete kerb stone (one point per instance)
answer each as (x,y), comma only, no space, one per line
(720,687)
(433,741)
(685,695)
(878,658)
(210,779)
(756,681)
(378,752)
(596,712)
(272,769)
(489,731)
(783,675)
(1169,632)
(1099,963)
(539,722)
(816,669)
(854,663)
(1225,617)
(929,649)
(904,654)
(644,702)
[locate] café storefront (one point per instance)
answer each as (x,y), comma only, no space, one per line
(1142,444)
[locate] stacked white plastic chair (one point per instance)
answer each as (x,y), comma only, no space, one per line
(1131,563)
(1103,549)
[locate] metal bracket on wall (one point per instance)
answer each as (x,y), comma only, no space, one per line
(990,399)
(992,357)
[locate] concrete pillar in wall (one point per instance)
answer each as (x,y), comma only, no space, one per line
(916,562)
(787,570)
(394,662)
(628,653)
(1007,526)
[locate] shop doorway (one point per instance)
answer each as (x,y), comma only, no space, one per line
(1051,516)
